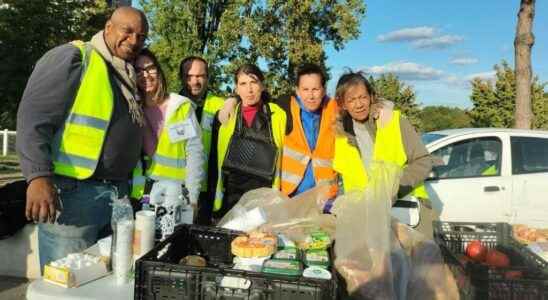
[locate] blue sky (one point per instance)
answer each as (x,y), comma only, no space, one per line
(438,46)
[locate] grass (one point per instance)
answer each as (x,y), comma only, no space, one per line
(9,158)
(9,164)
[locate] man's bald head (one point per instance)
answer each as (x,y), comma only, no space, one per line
(125,32)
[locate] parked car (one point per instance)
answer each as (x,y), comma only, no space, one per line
(489,175)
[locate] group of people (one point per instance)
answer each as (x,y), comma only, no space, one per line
(96,122)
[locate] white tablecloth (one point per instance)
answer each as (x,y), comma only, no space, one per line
(102,288)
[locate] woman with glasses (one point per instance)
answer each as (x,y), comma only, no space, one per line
(249,145)
(369,130)
(172,144)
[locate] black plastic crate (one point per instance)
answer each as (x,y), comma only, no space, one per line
(480,281)
(159,276)
(534,258)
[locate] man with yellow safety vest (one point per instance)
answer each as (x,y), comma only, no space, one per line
(79,133)
(361,139)
(193,72)
(309,144)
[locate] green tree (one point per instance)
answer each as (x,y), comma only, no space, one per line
(277,34)
(211,29)
(389,87)
(30,28)
(494,103)
(441,117)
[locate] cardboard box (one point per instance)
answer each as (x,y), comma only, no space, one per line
(69,278)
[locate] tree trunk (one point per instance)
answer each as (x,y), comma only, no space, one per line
(522,46)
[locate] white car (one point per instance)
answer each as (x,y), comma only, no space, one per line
(489,175)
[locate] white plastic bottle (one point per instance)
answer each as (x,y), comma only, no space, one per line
(166,197)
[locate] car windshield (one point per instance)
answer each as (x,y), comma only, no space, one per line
(428,138)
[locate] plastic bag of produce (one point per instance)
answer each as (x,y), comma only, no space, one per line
(380,258)
(268,210)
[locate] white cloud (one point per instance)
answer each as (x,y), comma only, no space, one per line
(489,75)
(407,71)
(408,34)
(421,37)
(463,82)
(464,61)
(438,42)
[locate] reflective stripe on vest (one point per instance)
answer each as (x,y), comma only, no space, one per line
(138,182)
(297,154)
(278,120)
(388,147)
(211,106)
(78,144)
(169,160)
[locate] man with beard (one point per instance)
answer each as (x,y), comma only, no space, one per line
(193,72)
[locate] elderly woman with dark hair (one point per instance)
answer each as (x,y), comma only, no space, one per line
(363,137)
(249,145)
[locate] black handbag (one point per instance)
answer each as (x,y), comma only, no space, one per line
(12,208)
(251,155)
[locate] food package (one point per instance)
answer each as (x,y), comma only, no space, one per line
(299,219)
(256,244)
(75,269)
(525,234)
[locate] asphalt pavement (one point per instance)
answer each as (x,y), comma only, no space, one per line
(13,288)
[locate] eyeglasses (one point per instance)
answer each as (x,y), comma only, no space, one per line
(150,70)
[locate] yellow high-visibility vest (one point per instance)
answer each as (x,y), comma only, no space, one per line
(78,144)
(138,182)
(212,105)
(169,159)
(388,147)
(278,121)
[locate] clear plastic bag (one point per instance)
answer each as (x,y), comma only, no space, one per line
(429,277)
(363,241)
(121,210)
(269,210)
(121,250)
(380,258)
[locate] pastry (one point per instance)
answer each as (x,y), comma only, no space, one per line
(256,244)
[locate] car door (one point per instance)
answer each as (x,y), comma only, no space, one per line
(530,180)
(469,182)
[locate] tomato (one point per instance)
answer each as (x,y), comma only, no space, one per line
(513,274)
(497,259)
(476,251)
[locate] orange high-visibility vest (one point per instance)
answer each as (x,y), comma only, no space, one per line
(297,154)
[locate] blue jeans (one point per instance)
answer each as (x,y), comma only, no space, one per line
(84,218)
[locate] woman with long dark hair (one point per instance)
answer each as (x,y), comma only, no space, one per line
(249,144)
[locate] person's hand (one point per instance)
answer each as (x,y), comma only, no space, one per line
(42,200)
(226,112)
